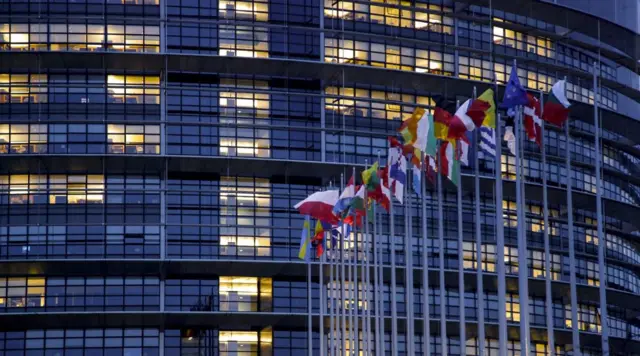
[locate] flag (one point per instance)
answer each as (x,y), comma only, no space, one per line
(318,236)
(431,146)
(397,164)
(556,109)
(424,132)
(442,119)
(320,205)
(431,169)
(487,138)
(514,94)
(377,189)
(462,151)
(370,177)
(345,198)
(448,164)
(461,122)
(490,112)
(532,122)
(509,135)
(383,194)
(345,230)
(415,181)
(356,208)
(304,253)
(409,127)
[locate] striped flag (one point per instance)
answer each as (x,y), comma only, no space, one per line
(487,140)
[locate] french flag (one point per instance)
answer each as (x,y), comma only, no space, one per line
(320,206)
(345,198)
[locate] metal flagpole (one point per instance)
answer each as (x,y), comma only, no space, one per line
(322,303)
(443,316)
(502,285)
(367,283)
(575,336)
(408,288)
(463,329)
(547,249)
(392,301)
(426,345)
(342,301)
(523,271)
(309,321)
(478,238)
(330,292)
(355,301)
(604,320)
(377,285)
(380,276)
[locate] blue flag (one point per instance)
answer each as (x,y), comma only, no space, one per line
(514,94)
(415,182)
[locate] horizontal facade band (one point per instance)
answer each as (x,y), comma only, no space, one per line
(299,69)
(320,173)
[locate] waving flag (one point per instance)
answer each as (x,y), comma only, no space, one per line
(410,127)
(532,122)
(318,239)
(460,122)
(487,138)
(442,119)
(397,164)
(305,246)
(556,109)
(514,94)
(345,198)
(415,181)
(356,208)
(320,205)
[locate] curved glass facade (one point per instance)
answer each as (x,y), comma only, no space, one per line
(151,153)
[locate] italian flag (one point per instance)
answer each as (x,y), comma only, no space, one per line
(448,164)
(556,109)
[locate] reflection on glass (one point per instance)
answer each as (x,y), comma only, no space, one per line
(238,294)
(53,189)
(245,217)
(23,88)
(133,139)
(133,89)
(238,343)
(23,138)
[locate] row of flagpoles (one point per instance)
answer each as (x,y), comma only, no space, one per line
(348,224)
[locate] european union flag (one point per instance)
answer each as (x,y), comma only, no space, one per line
(514,94)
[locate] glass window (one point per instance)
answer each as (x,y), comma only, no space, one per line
(133,139)
(23,88)
(23,138)
(245,217)
(133,89)
(238,343)
(239,294)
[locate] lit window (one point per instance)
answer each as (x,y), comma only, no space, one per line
(76,189)
(512,308)
(240,110)
(238,343)
(23,138)
(245,217)
(22,292)
(133,38)
(133,139)
(133,89)
(257,10)
(245,294)
(134,2)
(23,88)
